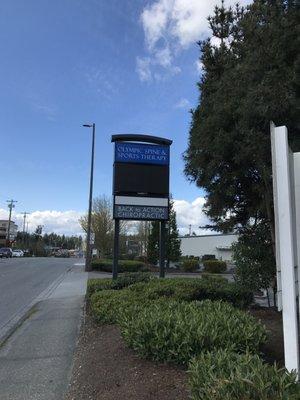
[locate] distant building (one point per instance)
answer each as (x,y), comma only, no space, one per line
(219,245)
(4,231)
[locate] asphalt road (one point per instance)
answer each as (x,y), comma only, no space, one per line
(23,279)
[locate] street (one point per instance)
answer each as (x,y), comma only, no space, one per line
(23,279)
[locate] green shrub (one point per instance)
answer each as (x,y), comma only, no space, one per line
(223,375)
(175,332)
(129,278)
(208,257)
(123,265)
(214,266)
(123,280)
(213,278)
(95,285)
(186,289)
(190,265)
(108,306)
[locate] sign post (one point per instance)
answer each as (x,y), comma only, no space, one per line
(116,248)
(162,249)
(141,186)
(285,180)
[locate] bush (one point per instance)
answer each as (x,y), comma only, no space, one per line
(107,305)
(124,265)
(206,257)
(186,289)
(128,256)
(224,375)
(172,331)
(95,285)
(124,280)
(190,265)
(214,266)
(213,278)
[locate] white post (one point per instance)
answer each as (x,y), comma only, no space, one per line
(296,159)
(284,221)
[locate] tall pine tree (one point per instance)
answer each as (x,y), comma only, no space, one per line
(249,79)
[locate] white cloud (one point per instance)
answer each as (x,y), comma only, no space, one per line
(66,222)
(60,222)
(173,25)
(163,57)
(191,213)
(183,103)
(143,68)
(199,66)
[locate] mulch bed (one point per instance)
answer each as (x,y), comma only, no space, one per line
(104,368)
(273,349)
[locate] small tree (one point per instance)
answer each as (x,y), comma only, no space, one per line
(254,259)
(173,251)
(173,245)
(143,228)
(153,243)
(102,224)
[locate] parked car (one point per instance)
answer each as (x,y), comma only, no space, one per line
(62,253)
(5,252)
(17,253)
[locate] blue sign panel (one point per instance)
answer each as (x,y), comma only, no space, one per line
(141,153)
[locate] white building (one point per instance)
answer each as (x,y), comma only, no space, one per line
(4,230)
(217,244)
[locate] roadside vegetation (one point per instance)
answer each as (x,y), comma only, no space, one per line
(229,148)
(201,324)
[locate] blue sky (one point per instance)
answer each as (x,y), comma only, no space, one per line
(130,66)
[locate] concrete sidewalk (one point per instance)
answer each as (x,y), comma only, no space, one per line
(36,360)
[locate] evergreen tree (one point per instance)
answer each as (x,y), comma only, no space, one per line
(153,243)
(172,240)
(247,81)
(254,258)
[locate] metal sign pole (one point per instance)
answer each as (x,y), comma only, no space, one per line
(162,248)
(116,249)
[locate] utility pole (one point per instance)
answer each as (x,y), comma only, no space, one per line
(27,241)
(88,235)
(25,213)
(190,230)
(11,205)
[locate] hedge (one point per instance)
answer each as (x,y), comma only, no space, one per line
(151,289)
(108,305)
(208,257)
(123,280)
(175,332)
(214,266)
(224,375)
(190,265)
(186,289)
(123,265)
